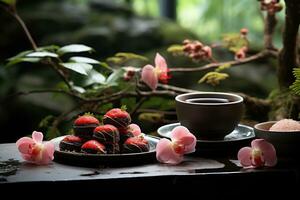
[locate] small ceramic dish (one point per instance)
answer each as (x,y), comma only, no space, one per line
(287,143)
(126,159)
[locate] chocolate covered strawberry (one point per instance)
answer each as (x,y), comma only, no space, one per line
(109,136)
(71,143)
(136,144)
(130,131)
(117,117)
(125,133)
(93,147)
(84,126)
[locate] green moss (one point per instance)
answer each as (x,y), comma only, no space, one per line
(281,103)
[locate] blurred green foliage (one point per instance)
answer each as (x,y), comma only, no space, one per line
(209,18)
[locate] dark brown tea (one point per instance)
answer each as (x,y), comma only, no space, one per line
(207,100)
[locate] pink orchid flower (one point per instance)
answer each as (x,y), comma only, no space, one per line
(151,75)
(34,150)
(261,153)
(182,142)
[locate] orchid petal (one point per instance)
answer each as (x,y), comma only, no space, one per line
(45,158)
(37,136)
(166,154)
(244,156)
(135,129)
(33,150)
(183,136)
(268,151)
(27,157)
(190,148)
(24,144)
(149,76)
(160,62)
(49,146)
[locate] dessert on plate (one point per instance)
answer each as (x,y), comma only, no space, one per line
(136,144)
(114,135)
(109,136)
(93,147)
(84,126)
(71,143)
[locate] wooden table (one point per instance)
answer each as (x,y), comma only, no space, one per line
(207,174)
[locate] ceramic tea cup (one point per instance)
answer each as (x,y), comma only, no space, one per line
(209,115)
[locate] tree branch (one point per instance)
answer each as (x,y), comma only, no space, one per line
(270,24)
(138,105)
(13,11)
(263,54)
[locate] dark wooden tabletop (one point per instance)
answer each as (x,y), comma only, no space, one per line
(205,173)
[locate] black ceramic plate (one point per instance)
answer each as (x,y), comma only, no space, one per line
(241,136)
(83,159)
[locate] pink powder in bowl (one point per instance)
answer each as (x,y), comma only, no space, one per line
(285,125)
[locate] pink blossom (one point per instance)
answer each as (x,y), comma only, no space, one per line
(261,153)
(182,142)
(151,75)
(241,53)
(208,51)
(129,72)
(34,150)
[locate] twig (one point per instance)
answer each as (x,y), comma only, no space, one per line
(61,74)
(13,11)
(176,89)
(270,24)
(260,55)
(138,105)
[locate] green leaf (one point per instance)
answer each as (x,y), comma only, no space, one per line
(79,59)
(79,89)
(123,107)
(131,56)
(81,68)
(105,65)
(113,77)
(41,54)
(122,57)
(234,41)
(48,48)
(94,77)
(74,48)
(296,85)
(62,85)
(9,2)
(213,78)
(20,55)
(176,49)
(223,67)
(19,60)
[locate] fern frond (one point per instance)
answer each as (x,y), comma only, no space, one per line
(295,87)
